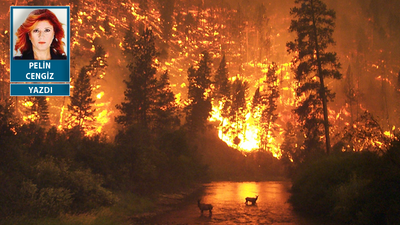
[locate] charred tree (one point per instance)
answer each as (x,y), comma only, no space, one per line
(314,25)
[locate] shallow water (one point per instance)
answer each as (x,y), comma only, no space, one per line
(228,200)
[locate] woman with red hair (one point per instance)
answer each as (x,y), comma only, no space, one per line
(40,37)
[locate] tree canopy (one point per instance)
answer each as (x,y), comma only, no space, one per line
(314,25)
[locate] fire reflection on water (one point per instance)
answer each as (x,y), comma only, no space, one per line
(268,192)
(228,200)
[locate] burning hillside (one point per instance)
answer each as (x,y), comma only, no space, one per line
(249,37)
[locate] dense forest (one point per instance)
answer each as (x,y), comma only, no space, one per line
(166,94)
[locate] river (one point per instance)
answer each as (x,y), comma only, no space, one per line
(228,200)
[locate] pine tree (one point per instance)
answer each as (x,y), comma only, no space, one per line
(165,110)
(222,89)
(351,93)
(314,26)
(255,106)
(222,86)
(8,121)
(81,104)
(41,107)
(240,88)
(198,111)
(269,115)
(140,93)
(98,63)
(290,148)
(238,109)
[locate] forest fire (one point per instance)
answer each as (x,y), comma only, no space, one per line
(246,141)
(249,46)
(250,138)
(259,96)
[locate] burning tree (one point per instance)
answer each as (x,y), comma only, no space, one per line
(98,64)
(364,133)
(314,25)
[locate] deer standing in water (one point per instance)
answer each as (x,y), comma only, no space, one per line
(252,200)
(204,207)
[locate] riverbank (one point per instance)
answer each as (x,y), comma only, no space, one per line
(351,187)
(129,209)
(167,202)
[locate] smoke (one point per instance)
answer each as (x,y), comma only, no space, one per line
(366,38)
(366,35)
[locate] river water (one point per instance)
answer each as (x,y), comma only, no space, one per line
(228,200)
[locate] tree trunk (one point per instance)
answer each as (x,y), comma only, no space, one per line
(322,85)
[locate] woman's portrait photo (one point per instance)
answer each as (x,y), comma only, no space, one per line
(40,35)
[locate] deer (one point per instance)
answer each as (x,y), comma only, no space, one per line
(204,207)
(252,200)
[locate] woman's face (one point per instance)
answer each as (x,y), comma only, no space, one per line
(42,36)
